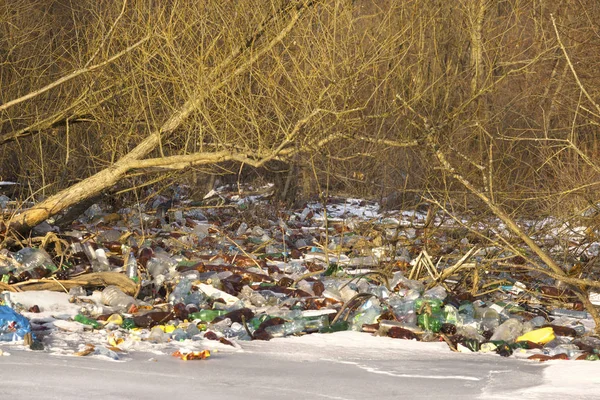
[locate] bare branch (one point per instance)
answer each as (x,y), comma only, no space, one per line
(73,75)
(564,50)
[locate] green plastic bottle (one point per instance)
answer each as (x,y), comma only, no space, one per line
(255,322)
(87,321)
(337,327)
(430,323)
(206,315)
(128,323)
(422,305)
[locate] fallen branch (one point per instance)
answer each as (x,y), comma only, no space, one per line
(108,177)
(87,280)
(429,137)
(10,288)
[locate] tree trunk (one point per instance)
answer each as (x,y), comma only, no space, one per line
(245,56)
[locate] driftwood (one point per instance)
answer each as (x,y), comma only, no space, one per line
(5,286)
(87,280)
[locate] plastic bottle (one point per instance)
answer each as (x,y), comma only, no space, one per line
(508,331)
(423,305)
(114,297)
(563,312)
(450,314)
(89,251)
(315,320)
(241,229)
(179,335)
(366,314)
(437,292)
(102,263)
(336,327)
(386,325)
(346,293)
(206,315)
(469,332)
(31,259)
(253,297)
(103,351)
(489,318)
(429,322)
(181,291)
(237,330)
(157,266)
(192,330)
(288,328)
(217,294)
(255,322)
(5,299)
(569,349)
(160,263)
(538,321)
(331,291)
(131,268)
(87,321)
(158,335)
(467,310)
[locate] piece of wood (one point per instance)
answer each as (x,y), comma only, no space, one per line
(244,57)
(87,280)
(6,286)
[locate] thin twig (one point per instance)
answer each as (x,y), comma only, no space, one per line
(72,75)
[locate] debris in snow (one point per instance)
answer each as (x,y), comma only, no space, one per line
(195,278)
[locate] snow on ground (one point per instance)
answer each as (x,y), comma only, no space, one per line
(343,365)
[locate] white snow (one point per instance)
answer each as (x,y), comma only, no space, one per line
(365,363)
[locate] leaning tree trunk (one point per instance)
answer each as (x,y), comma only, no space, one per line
(245,56)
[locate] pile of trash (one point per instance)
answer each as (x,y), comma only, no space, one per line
(182,276)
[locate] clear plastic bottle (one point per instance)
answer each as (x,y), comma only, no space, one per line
(131,268)
(437,292)
(404,311)
(30,258)
(366,314)
(488,317)
(102,263)
(288,328)
(241,229)
(563,312)
(508,331)
(158,335)
(255,298)
(114,297)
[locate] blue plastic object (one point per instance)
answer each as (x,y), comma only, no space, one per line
(13,326)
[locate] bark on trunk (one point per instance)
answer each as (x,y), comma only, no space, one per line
(221,75)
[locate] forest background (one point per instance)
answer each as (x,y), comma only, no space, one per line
(478,107)
(349,96)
